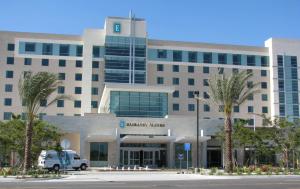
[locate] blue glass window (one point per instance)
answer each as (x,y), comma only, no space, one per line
(205,82)
(175,68)
(222,58)
(264,109)
(64,49)
(206,108)
(250,60)
(79,50)
(250,109)
(60,89)
(77,104)
(175,81)
(7,115)
(77,90)
(191,107)
(96,51)
(61,76)
(95,77)
(177,56)
(176,94)
(29,47)
(9,74)
(161,53)
(160,80)
(160,67)
(43,103)
(205,95)
(8,87)
(236,109)
(191,81)
(78,77)
(263,73)
(191,94)
(10,60)
(94,104)
(176,107)
(207,57)
(60,103)
(78,63)
(47,49)
(45,62)
(139,104)
(205,69)
(94,91)
(95,64)
(7,101)
(236,59)
(62,63)
(192,56)
(191,69)
(264,97)
(10,47)
(27,61)
(264,85)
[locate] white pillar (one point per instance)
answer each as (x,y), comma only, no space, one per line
(203,154)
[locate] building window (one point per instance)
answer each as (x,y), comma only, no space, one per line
(250,60)
(263,73)
(161,53)
(207,57)
(250,121)
(7,102)
(220,70)
(61,76)
(8,87)
(60,114)
(191,81)
(191,69)
(95,77)
(294,61)
(94,104)
(61,90)
(191,94)
(160,80)
(250,97)
(222,58)
(45,62)
(176,94)
(10,47)
(280,60)
(191,107)
(205,82)
(236,109)
(236,59)
(175,81)
(77,104)
(47,49)
(77,90)
(264,85)
(282,110)
(62,63)
(175,107)
(94,91)
(250,109)
(95,64)
(27,61)
(192,56)
(96,51)
(60,103)
(205,95)
(175,68)
(249,71)
(64,50)
(29,47)
(43,103)
(9,74)
(78,77)
(264,97)
(235,70)
(160,67)
(7,115)
(10,60)
(206,108)
(206,69)
(79,50)
(264,110)
(250,84)
(177,56)
(78,64)
(264,61)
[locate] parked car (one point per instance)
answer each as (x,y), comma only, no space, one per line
(66,159)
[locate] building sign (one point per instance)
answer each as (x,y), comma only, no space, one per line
(117,27)
(124,124)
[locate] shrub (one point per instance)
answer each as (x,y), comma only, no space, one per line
(213,170)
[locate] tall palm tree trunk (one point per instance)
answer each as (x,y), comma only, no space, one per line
(228,145)
(28,144)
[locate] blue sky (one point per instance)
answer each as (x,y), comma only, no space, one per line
(248,22)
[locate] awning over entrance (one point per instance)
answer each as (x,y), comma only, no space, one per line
(101,138)
(147,139)
(192,139)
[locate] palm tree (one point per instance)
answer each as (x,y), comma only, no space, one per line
(228,92)
(33,89)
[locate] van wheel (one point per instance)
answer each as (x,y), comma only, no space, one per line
(56,168)
(83,167)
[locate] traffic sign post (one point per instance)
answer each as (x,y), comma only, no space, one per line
(180,157)
(187,148)
(65,144)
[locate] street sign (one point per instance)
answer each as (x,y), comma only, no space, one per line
(187,146)
(180,156)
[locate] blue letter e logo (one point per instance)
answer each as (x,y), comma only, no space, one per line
(117,27)
(122,124)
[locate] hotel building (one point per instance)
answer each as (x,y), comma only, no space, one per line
(133,97)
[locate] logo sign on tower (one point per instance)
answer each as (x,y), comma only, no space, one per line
(122,124)
(117,27)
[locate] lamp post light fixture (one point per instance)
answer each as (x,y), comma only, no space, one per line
(196,96)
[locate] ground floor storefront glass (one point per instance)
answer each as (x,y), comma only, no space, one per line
(151,155)
(98,154)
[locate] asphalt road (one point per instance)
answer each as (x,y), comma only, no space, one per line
(267,183)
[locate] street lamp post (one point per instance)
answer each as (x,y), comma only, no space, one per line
(196,96)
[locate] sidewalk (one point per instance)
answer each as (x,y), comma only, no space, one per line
(89,176)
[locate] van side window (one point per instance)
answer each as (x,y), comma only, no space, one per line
(76,156)
(49,156)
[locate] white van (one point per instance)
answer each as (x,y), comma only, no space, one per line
(66,159)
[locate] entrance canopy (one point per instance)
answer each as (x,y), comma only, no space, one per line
(147,139)
(192,139)
(101,138)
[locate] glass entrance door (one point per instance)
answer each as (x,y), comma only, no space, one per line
(148,158)
(134,158)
